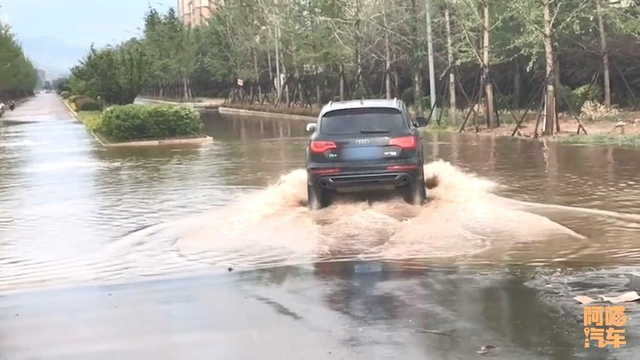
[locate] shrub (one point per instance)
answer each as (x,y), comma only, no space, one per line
(425,103)
(84,103)
(135,122)
(594,111)
(73,98)
(65,94)
(569,99)
(587,93)
(408,96)
(89,106)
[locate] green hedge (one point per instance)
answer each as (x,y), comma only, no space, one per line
(65,94)
(85,103)
(137,122)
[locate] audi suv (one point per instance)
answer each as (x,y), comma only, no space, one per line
(365,146)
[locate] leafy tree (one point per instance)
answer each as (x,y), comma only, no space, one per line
(115,74)
(18,76)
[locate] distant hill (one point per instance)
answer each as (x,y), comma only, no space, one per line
(54,56)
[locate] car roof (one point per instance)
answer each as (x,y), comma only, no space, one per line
(362,104)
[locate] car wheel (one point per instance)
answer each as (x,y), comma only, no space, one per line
(317,198)
(415,193)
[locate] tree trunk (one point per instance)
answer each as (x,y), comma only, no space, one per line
(491,119)
(558,84)
(517,85)
(605,57)
(432,72)
(271,84)
(278,78)
(318,90)
(286,84)
(387,55)
(255,64)
(341,82)
(417,57)
(185,89)
(452,76)
(550,101)
(357,49)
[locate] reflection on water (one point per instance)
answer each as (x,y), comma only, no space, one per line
(205,206)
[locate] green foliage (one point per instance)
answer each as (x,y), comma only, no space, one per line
(65,94)
(586,93)
(602,139)
(425,102)
(135,122)
(408,96)
(17,73)
(89,105)
(116,74)
(317,39)
(91,119)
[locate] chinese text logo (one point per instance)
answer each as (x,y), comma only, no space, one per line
(603,326)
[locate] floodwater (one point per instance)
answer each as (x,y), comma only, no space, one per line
(210,251)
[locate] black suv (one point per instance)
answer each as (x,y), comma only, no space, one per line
(365,145)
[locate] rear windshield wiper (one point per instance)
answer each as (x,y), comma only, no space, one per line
(374,131)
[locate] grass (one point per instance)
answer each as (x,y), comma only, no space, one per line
(91,119)
(601,139)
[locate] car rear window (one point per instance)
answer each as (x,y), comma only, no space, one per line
(362,121)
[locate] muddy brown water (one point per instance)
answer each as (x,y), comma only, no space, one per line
(513,231)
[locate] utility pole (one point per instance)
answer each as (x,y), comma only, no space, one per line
(432,72)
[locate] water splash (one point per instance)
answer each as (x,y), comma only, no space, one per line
(462,218)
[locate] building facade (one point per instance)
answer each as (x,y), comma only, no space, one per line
(196,12)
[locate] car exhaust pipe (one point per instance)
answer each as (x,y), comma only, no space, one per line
(404,180)
(324,184)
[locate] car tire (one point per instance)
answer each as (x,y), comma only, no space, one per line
(415,193)
(317,198)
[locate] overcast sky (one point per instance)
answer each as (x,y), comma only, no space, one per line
(79,22)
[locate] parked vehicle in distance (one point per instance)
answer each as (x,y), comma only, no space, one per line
(362,146)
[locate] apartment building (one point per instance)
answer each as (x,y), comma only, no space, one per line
(196,12)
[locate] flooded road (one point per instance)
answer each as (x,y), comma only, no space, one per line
(210,251)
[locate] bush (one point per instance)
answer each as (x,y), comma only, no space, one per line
(136,122)
(594,111)
(90,106)
(572,100)
(587,93)
(84,103)
(408,96)
(65,94)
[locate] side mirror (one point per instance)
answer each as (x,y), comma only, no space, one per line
(421,121)
(311,128)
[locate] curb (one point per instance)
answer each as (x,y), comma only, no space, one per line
(226,110)
(75,115)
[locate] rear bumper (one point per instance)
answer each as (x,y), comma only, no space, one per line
(365,180)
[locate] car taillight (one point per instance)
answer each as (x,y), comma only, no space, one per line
(405,142)
(325,171)
(402,167)
(319,147)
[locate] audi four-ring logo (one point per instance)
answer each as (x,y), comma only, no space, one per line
(362,141)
